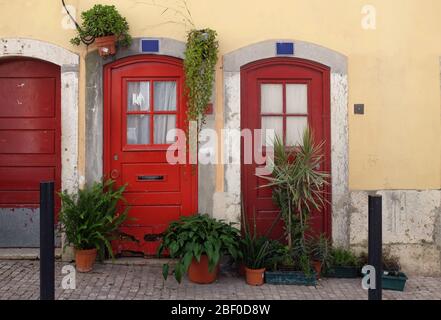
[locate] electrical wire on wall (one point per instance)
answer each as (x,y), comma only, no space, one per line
(86,40)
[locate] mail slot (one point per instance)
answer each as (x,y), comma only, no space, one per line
(150,178)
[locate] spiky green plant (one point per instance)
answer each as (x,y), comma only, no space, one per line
(90,217)
(298,184)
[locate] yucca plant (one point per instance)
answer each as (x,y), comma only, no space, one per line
(90,217)
(298,184)
(256,250)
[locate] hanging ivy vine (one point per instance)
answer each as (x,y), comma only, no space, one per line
(200,60)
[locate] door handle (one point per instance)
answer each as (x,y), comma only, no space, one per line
(114,174)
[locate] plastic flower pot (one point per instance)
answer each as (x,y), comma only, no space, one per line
(254,277)
(198,271)
(290,278)
(395,282)
(85,259)
(106,45)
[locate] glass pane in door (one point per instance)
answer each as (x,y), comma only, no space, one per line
(271,98)
(138,96)
(138,129)
(165,95)
(297,98)
(275,123)
(163,124)
(294,129)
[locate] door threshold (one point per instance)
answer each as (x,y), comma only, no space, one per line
(24,253)
(140,261)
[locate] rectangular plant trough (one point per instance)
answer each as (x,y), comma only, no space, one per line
(396,283)
(290,277)
(343,272)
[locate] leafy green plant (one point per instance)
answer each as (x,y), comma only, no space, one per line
(190,237)
(101,21)
(201,55)
(90,217)
(341,257)
(297,183)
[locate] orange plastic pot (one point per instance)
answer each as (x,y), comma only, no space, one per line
(106,45)
(85,259)
(254,277)
(198,271)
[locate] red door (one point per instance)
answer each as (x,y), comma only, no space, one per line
(284,94)
(144,99)
(30,137)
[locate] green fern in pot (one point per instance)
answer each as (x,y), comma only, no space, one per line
(90,220)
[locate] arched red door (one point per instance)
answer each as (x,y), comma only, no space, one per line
(30,130)
(284,94)
(144,99)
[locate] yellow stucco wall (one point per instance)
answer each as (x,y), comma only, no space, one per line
(394,70)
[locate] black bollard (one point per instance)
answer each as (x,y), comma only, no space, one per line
(375,245)
(47,242)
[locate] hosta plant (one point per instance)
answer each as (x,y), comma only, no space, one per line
(191,237)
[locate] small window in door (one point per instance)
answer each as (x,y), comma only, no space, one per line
(284,108)
(151,111)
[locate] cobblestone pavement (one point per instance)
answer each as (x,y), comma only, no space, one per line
(20,280)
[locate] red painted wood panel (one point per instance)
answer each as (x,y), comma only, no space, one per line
(24,178)
(154,204)
(24,141)
(284,71)
(30,130)
(27,97)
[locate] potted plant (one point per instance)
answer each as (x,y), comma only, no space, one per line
(256,251)
(104,25)
(393,278)
(289,266)
(199,242)
(343,264)
(297,189)
(320,254)
(90,220)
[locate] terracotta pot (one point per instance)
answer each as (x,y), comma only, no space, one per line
(317,267)
(106,45)
(254,277)
(198,271)
(84,259)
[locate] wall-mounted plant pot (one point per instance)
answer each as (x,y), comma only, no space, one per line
(106,45)
(395,282)
(85,259)
(198,271)
(291,278)
(343,272)
(254,277)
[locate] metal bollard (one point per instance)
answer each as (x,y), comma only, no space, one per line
(375,245)
(47,242)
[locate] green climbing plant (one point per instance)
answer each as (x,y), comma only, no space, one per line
(200,60)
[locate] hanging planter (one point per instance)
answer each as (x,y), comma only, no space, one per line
(200,60)
(105,26)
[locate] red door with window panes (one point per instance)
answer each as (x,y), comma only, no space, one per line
(144,101)
(286,95)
